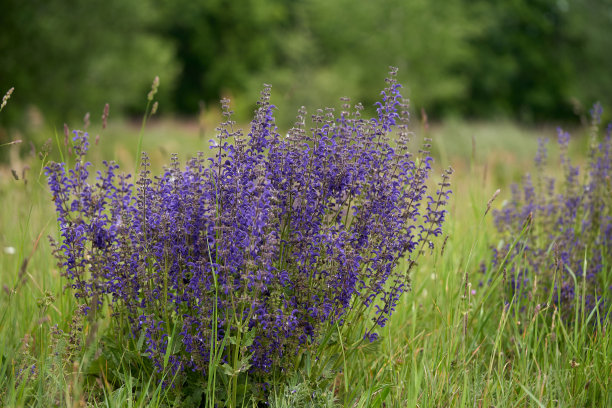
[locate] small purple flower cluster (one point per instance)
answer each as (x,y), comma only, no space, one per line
(564,230)
(276,235)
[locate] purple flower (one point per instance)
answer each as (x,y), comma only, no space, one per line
(280,236)
(559,225)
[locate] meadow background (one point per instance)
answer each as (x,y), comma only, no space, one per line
(485,80)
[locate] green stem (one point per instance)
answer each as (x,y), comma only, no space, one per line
(146,116)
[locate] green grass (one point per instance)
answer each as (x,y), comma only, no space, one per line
(448,346)
(450,343)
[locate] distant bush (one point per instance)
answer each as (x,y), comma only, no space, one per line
(557,235)
(247,266)
(67,58)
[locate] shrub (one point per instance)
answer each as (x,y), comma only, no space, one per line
(557,236)
(240,262)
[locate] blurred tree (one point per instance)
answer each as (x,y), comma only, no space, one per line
(220,45)
(522,65)
(335,48)
(591,25)
(69,57)
(314,51)
(522,58)
(526,59)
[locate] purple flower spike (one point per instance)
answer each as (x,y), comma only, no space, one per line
(560,224)
(278,236)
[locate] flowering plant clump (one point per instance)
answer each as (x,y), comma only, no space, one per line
(564,229)
(243,260)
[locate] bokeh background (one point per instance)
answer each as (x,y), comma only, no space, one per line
(528,61)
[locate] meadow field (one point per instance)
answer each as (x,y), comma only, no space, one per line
(202,241)
(462,336)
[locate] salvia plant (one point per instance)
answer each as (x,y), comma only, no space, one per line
(556,235)
(240,265)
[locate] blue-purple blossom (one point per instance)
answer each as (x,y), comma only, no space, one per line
(280,236)
(564,252)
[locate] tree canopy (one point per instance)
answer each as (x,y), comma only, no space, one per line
(528,60)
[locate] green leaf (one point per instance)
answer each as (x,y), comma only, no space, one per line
(380,395)
(228,370)
(368,348)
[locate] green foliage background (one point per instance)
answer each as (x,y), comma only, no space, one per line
(73,56)
(531,60)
